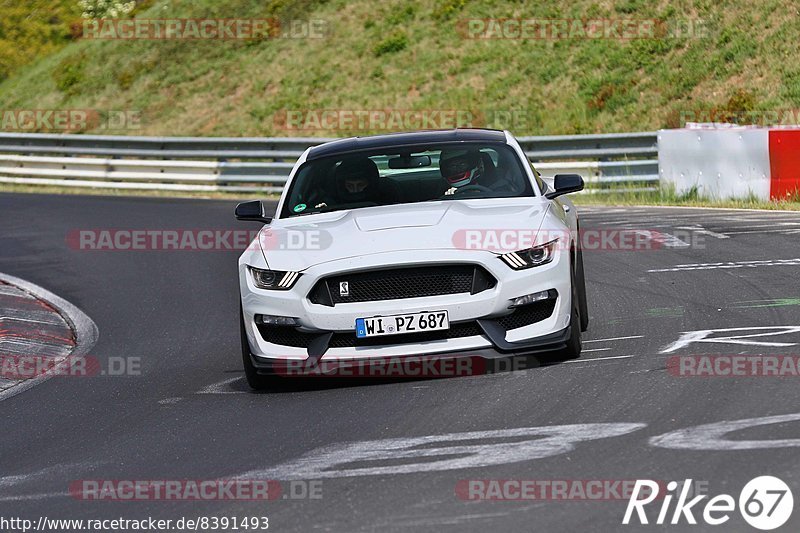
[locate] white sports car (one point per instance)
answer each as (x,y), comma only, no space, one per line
(436,243)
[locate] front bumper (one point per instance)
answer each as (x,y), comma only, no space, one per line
(481,318)
(314,365)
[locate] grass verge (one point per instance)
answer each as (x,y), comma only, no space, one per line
(668,197)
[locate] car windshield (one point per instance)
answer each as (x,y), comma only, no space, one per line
(404,175)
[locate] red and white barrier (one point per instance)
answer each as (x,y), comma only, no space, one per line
(784,162)
(731,162)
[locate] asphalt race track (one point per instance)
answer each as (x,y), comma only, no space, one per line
(189,414)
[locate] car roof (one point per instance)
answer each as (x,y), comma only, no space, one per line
(393,140)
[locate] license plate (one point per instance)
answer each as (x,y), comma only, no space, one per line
(378,326)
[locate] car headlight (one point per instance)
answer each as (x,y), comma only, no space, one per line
(277,280)
(531,257)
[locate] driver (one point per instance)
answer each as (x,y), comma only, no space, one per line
(357,181)
(461,167)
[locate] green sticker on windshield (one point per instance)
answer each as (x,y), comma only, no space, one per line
(299,207)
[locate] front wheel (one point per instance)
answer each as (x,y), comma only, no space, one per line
(574,346)
(581,280)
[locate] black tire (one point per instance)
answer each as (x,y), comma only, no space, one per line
(574,346)
(256,381)
(584,304)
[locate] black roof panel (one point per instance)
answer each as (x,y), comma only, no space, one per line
(391,140)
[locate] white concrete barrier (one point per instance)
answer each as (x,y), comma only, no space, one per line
(719,162)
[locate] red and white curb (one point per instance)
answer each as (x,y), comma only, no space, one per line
(35,322)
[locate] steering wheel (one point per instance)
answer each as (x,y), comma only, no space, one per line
(468,188)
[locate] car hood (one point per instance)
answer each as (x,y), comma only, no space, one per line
(300,242)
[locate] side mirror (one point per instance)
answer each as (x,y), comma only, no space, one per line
(565,184)
(252,212)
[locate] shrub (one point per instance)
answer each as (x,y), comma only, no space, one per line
(98,9)
(394,42)
(32,29)
(447,8)
(69,73)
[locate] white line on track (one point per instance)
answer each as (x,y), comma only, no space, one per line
(14,482)
(598,359)
(667,239)
(615,339)
(596,350)
(28,497)
(770,225)
(169,401)
(786,231)
(729,265)
(703,231)
(221,387)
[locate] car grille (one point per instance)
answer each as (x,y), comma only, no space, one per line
(522,316)
(401,283)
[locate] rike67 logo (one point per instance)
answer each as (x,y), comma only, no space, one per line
(765,503)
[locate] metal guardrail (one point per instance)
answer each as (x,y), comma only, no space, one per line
(606,161)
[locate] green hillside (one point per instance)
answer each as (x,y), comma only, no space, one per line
(402,56)
(33,29)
